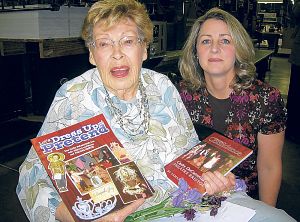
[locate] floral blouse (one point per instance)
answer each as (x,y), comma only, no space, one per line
(259,109)
(170,133)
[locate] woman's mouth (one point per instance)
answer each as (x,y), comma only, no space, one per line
(215,60)
(120,72)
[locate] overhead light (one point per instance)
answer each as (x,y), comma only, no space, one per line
(269,1)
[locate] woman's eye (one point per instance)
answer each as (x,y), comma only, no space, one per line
(102,44)
(205,41)
(226,41)
(128,42)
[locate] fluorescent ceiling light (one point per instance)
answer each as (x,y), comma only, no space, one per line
(269,1)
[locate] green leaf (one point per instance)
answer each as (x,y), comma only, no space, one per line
(148,78)
(181,140)
(77,87)
(31,195)
(28,165)
(156,128)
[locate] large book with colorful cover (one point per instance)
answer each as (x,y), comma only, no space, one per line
(215,152)
(90,169)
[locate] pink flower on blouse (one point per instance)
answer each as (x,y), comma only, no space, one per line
(196,97)
(206,119)
(240,98)
(274,95)
(253,97)
(186,96)
(240,114)
(245,141)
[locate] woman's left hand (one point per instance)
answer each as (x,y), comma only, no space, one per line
(215,182)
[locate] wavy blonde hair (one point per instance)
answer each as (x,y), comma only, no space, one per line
(189,67)
(110,12)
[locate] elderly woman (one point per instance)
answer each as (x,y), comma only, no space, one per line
(220,91)
(142,107)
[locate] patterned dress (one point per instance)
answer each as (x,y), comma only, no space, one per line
(171,133)
(259,109)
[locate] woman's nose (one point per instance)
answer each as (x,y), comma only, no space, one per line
(215,47)
(117,52)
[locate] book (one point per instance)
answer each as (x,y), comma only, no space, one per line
(91,170)
(215,152)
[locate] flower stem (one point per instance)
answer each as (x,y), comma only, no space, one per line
(154,212)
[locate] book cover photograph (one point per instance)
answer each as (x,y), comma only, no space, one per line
(214,153)
(90,169)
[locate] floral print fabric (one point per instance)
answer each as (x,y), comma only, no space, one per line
(171,133)
(259,109)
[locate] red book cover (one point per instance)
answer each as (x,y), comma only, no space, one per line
(90,169)
(215,152)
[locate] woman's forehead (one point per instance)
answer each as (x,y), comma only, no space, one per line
(105,24)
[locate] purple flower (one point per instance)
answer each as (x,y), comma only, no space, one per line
(177,200)
(182,188)
(194,196)
(184,194)
(183,185)
(185,197)
(213,211)
(240,114)
(189,214)
(186,96)
(240,185)
(240,98)
(223,198)
(237,140)
(245,141)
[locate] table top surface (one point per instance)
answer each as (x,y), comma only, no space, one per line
(261,54)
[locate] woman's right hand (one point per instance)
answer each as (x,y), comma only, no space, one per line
(215,182)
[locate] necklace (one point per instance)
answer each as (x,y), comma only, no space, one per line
(134,124)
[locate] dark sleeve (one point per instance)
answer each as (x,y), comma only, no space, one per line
(296,11)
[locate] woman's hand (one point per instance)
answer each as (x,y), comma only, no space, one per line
(215,182)
(62,213)
(120,215)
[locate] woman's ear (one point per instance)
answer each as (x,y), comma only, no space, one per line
(91,58)
(145,54)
